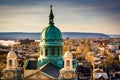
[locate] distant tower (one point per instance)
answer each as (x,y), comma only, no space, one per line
(11,60)
(68,71)
(11,71)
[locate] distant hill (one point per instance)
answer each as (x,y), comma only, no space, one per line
(115,36)
(20,35)
(84,35)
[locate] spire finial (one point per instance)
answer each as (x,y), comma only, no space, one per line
(51,6)
(51,16)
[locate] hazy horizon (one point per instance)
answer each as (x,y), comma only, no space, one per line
(89,16)
(62,32)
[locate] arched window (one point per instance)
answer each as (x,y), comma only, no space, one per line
(58,51)
(52,51)
(46,52)
(9,74)
(10,62)
(68,63)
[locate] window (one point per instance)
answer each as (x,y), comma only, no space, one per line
(46,52)
(68,63)
(52,51)
(9,74)
(10,62)
(58,51)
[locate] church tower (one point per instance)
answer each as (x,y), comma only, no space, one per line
(51,44)
(11,71)
(68,71)
(11,60)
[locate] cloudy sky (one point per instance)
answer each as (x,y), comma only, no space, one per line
(99,16)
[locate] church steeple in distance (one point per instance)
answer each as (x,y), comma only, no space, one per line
(51,16)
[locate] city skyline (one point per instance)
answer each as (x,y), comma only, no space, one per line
(97,16)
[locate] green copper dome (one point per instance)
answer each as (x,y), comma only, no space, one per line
(51,32)
(51,35)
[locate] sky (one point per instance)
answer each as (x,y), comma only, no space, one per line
(96,16)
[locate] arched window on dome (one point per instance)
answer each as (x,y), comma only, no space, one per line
(58,51)
(10,62)
(46,52)
(68,63)
(53,51)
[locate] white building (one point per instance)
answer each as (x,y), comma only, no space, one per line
(114,46)
(99,74)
